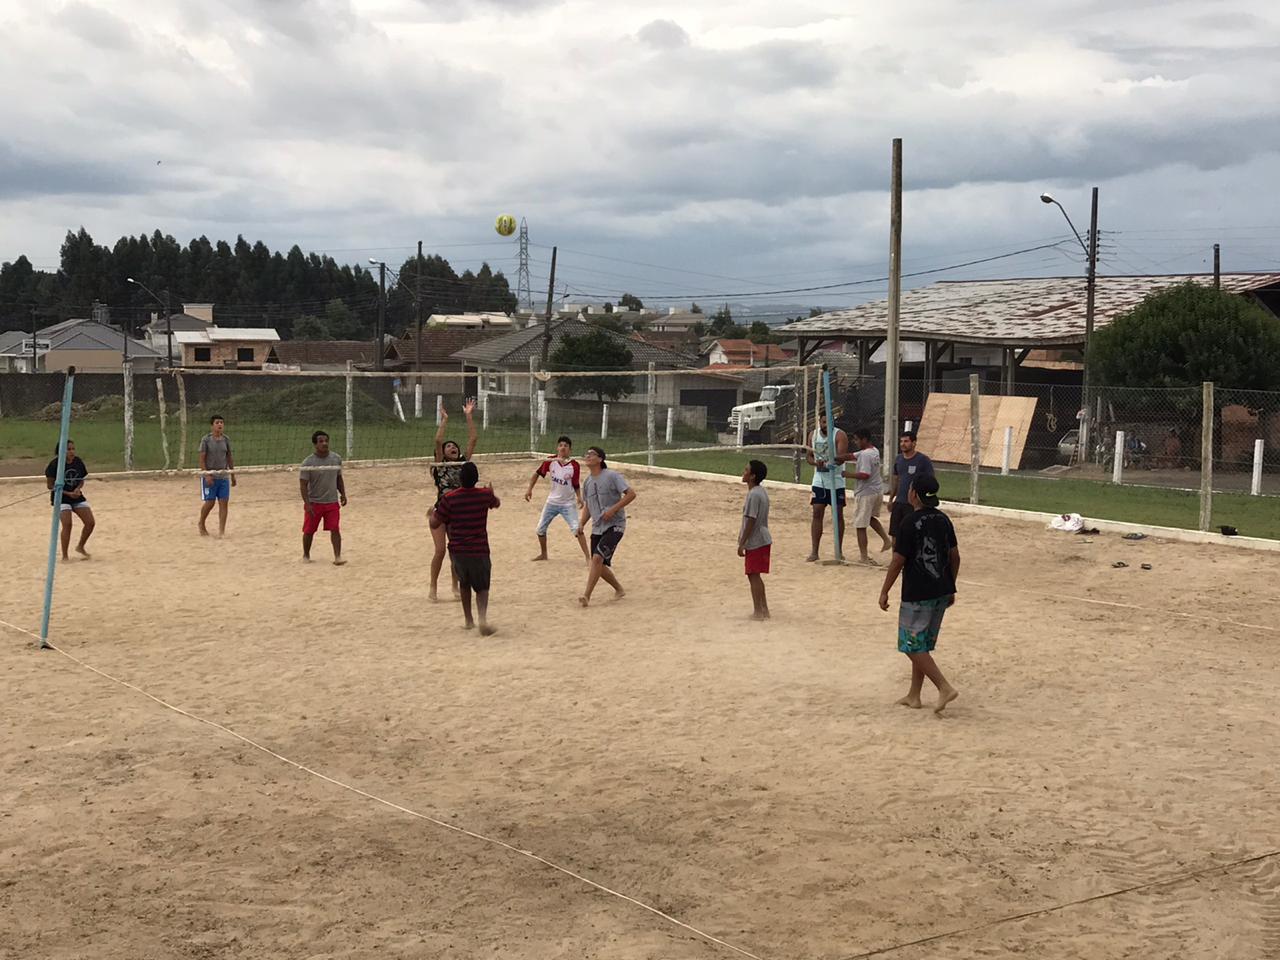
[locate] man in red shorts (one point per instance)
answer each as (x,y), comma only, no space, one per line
(323,496)
(754,541)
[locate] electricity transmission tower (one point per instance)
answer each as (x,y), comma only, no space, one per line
(523,295)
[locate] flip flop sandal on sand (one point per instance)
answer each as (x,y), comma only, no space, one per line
(1119,564)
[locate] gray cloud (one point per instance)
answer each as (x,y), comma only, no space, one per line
(762,140)
(663,35)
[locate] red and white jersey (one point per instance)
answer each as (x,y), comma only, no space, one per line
(564,480)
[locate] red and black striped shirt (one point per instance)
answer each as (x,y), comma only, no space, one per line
(465,512)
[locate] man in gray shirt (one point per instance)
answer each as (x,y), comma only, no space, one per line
(605,496)
(215,455)
(323,496)
(754,541)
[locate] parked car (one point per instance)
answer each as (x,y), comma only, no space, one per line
(1067,446)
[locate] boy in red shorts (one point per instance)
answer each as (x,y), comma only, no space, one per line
(323,496)
(754,541)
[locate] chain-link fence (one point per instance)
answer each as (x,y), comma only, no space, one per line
(698,418)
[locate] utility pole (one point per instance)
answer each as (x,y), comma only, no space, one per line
(1088,310)
(546,333)
(895,297)
(33,339)
(1217,266)
(524,298)
(417,308)
(379,346)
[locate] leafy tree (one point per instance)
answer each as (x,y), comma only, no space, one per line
(310,328)
(608,307)
(694,308)
(722,325)
(1185,335)
(597,350)
(761,333)
(699,329)
(341,324)
(629,301)
(815,312)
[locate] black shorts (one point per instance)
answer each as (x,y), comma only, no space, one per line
(473,572)
(605,545)
(898,515)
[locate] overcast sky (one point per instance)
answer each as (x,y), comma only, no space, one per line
(749,140)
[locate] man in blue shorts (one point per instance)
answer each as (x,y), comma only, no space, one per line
(215,455)
(925,552)
(829,450)
(605,497)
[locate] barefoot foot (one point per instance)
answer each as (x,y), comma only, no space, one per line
(488,631)
(945,696)
(910,701)
(339,562)
(536,559)
(584,601)
(83,552)
(811,558)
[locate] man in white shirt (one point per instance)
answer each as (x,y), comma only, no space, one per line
(565,498)
(868,489)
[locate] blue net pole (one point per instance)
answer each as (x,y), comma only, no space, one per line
(58,483)
(832,466)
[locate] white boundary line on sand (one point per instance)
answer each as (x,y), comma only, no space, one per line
(389,803)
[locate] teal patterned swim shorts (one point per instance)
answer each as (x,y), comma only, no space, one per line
(919,622)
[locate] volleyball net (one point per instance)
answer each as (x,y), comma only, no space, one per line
(700,418)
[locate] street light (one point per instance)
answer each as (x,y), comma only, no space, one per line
(379,346)
(1091,254)
(168,316)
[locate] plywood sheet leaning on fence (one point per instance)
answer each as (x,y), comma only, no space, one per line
(944,428)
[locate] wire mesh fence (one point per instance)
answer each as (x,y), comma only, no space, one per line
(155,421)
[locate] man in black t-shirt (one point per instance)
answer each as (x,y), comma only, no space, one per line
(73,499)
(926,554)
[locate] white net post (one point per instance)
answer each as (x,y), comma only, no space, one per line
(797,427)
(671,424)
(1008,451)
(1206,456)
(164,433)
(742,427)
(542,413)
(128,415)
(417,400)
(1117,459)
(1255,487)
(351,412)
(975,437)
(604,421)
(484,408)
(439,408)
(651,412)
(182,421)
(533,405)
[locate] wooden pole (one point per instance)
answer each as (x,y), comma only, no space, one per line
(182,421)
(650,411)
(975,437)
(891,371)
(164,433)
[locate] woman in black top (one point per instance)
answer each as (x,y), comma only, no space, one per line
(448,478)
(73,499)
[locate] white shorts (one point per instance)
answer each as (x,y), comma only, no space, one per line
(82,505)
(552,510)
(864,509)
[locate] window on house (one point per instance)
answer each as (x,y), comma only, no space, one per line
(203,354)
(244,354)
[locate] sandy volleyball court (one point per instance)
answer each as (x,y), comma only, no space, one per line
(756,781)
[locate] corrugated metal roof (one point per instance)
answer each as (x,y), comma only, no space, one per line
(1030,312)
(211,335)
(514,349)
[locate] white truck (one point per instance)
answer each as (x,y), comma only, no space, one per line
(759,419)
